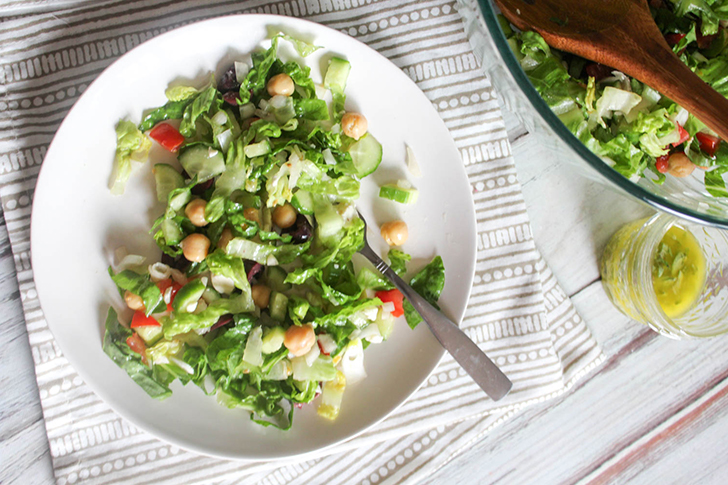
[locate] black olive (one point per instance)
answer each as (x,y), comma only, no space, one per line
(179,262)
(253,269)
(228,81)
(202,187)
(301,231)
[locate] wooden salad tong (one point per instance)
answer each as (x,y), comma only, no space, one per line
(621,34)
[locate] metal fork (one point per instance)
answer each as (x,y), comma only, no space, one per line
(483,371)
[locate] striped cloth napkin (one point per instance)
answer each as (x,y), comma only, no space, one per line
(517,312)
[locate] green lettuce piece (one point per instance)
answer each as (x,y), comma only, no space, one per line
(702,9)
(714,183)
(180,93)
(141,285)
(172,110)
(311,109)
(398,261)
(193,111)
(131,144)
(303,48)
(229,266)
(116,348)
(339,316)
(257,76)
(260,253)
(369,280)
(428,282)
(185,322)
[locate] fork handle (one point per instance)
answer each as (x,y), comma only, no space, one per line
(483,371)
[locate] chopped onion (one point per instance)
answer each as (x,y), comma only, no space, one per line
(201,306)
(328,344)
(126,260)
(247,110)
(388,307)
(224,138)
(370,313)
(372,334)
(370,293)
(328,157)
(167,295)
(182,365)
(179,276)
(312,355)
(191,307)
(220,118)
(159,271)
(202,331)
(222,284)
(680,117)
(271,261)
(253,353)
(412,165)
(241,71)
(404,184)
(352,362)
(278,101)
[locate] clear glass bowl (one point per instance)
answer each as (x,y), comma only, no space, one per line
(684,198)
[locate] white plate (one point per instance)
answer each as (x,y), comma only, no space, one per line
(77,223)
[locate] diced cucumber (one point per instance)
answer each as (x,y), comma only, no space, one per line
(385,322)
(337,74)
(399,194)
(180,200)
(278,306)
(210,295)
(276,277)
(171,231)
(150,333)
(329,220)
(266,219)
(273,339)
(246,198)
(188,294)
(167,179)
(257,149)
(203,161)
(302,201)
(366,154)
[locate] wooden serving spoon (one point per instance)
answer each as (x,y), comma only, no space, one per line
(621,34)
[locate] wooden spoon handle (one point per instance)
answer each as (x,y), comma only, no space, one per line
(658,67)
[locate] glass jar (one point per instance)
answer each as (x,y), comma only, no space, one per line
(626,268)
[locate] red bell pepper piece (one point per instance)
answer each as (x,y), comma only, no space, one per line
(708,143)
(684,136)
(396,297)
(168,136)
(662,164)
(141,320)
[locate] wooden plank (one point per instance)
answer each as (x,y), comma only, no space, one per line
(648,384)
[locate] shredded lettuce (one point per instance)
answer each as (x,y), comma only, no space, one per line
(131,145)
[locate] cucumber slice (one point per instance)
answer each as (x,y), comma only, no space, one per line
(273,339)
(257,149)
(366,155)
(337,74)
(150,333)
(171,231)
(203,161)
(188,294)
(167,179)
(278,306)
(385,322)
(302,201)
(276,277)
(399,194)
(329,220)
(180,200)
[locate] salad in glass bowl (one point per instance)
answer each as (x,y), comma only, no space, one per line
(256,298)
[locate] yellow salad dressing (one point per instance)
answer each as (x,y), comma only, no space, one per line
(678,271)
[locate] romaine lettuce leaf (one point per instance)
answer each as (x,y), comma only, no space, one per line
(141,285)
(131,144)
(428,282)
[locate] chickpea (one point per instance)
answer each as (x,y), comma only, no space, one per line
(284,216)
(280,85)
(395,233)
(225,237)
(252,214)
(299,340)
(261,295)
(195,212)
(354,125)
(195,247)
(133,301)
(679,165)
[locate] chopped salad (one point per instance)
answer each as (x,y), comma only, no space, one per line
(633,128)
(256,298)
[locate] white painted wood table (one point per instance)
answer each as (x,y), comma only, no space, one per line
(655,412)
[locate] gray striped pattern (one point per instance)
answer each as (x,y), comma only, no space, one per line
(517,312)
